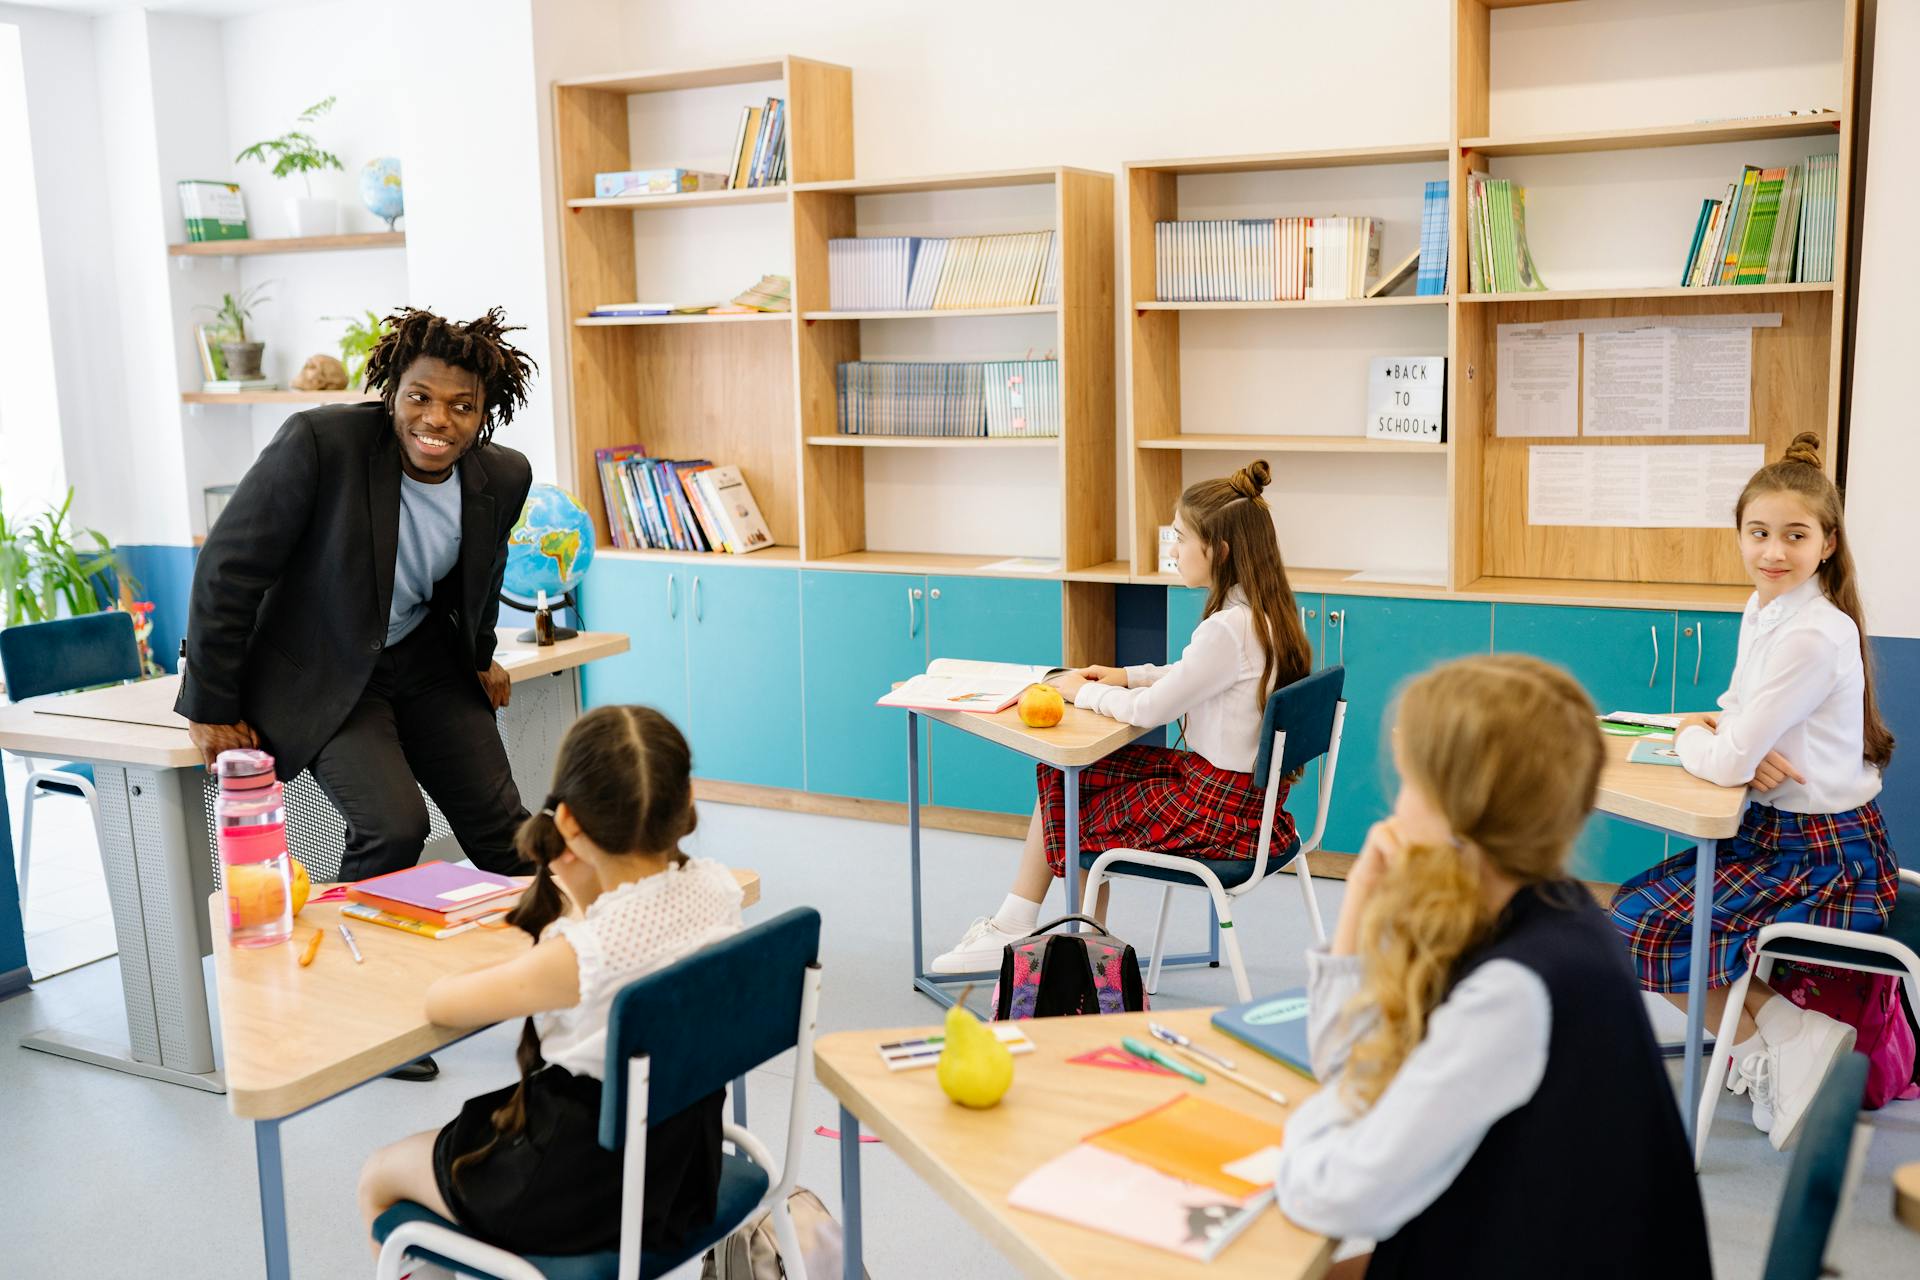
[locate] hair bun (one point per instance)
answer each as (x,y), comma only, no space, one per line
(1805,448)
(1249,480)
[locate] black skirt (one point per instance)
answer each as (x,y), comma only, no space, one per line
(554,1189)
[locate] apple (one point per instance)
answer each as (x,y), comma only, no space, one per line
(1041,706)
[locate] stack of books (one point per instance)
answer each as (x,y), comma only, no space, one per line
(1771,226)
(1001,398)
(760,146)
(1498,260)
(433,899)
(660,504)
(213,363)
(933,273)
(1266,259)
(1433,241)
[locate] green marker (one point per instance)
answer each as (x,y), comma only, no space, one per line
(1140,1049)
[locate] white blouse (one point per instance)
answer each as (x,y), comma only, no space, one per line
(1797,689)
(627,933)
(1215,685)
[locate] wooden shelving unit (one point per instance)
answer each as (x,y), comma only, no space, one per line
(290,244)
(684,199)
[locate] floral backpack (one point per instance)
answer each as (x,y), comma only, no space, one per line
(1048,975)
(1872,1004)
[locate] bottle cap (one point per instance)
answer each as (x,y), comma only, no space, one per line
(243,769)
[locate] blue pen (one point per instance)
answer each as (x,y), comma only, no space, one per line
(1142,1050)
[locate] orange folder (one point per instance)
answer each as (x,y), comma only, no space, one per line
(1193,1139)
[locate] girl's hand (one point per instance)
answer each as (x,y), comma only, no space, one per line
(1069,684)
(1382,849)
(1773,771)
(1708,720)
(1116,676)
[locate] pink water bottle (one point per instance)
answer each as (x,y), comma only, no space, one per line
(251,819)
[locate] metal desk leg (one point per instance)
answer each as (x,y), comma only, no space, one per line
(740,1102)
(273,1198)
(851,1267)
(913,842)
(1070,778)
(1704,856)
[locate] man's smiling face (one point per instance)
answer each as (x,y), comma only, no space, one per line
(437,414)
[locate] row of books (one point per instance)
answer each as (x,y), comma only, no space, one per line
(760,146)
(663,504)
(1772,226)
(998,398)
(1265,259)
(932,273)
(1498,260)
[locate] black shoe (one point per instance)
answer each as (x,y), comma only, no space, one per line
(424,1069)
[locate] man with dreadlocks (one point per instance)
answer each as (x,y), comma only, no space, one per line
(344,606)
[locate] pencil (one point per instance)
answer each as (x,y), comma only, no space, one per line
(1271,1095)
(306,957)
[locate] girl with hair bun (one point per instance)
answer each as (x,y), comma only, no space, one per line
(1475,1022)
(612,899)
(1203,802)
(1800,728)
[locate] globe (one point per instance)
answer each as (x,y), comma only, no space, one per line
(550,547)
(380,189)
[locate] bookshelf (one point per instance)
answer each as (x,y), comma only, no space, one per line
(288,244)
(276,397)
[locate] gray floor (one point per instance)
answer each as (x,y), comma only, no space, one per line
(77,1141)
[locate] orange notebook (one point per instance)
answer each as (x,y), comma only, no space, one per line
(1196,1141)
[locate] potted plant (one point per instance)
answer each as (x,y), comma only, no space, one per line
(296,152)
(358,342)
(240,353)
(45,574)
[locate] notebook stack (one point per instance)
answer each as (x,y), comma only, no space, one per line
(663,504)
(434,899)
(1265,259)
(1498,260)
(933,273)
(999,398)
(1771,226)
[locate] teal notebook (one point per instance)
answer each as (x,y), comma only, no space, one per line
(1275,1025)
(1653,751)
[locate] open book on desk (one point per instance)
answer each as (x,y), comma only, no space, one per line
(959,684)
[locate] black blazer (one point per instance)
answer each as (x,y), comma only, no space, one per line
(293,588)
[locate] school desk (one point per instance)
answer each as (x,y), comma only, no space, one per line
(1667,798)
(293,1038)
(973,1159)
(156,846)
(1080,739)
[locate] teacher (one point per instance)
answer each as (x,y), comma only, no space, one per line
(344,605)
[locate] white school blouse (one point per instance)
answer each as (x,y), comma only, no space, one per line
(1215,685)
(627,933)
(1797,689)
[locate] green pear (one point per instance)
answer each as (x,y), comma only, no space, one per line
(975,1068)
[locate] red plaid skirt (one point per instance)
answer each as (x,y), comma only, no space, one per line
(1832,869)
(1156,798)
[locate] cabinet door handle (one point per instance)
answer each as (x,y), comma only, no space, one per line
(1699,647)
(1655,633)
(913,622)
(698,614)
(673,602)
(1337,619)
(934,594)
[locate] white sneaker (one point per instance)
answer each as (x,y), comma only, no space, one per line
(1800,1066)
(978,950)
(1753,1076)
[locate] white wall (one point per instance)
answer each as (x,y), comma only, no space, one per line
(32,474)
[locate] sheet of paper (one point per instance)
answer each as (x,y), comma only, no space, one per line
(1675,486)
(1709,381)
(1624,383)
(1667,381)
(1539,385)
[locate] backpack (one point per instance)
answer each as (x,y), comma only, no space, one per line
(750,1254)
(1067,974)
(1872,1004)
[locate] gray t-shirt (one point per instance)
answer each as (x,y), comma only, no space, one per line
(428,549)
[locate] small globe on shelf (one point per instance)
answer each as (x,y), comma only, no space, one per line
(380,189)
(549,550)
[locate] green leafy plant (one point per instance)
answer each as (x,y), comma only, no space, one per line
(296,151)
(236,309)
(45,573)
(358,342)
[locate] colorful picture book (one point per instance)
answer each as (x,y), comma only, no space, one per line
(656,182)
(1265,259)
(1771,226)
(213,210)
(924,1051)
(663,504)
(1654,751)
(961,684)
(934,273)
(760,146)
(1498,259)
(438,892)
(1275,1025)
(360,911)
(950,399)
(1434,241)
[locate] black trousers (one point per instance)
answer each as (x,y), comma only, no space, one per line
(423,721)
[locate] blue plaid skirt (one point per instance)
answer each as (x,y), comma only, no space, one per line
(1833,869)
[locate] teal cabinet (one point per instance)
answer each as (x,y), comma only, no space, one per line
(1382,643)
(1625,660)
(860,633)
(1709,643)
(743,675)
(992,620)
(1183,615)
(647,603)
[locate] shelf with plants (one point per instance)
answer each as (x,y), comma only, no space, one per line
(718,387)
(1496,553)
(276,397)
(289,244)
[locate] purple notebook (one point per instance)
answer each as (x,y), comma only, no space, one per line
(443,887)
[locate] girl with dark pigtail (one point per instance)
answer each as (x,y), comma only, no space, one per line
(612,899)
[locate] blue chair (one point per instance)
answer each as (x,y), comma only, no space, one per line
(1894,950)
(1302,723)
(673,1037)
(1825,1168)
(56,657)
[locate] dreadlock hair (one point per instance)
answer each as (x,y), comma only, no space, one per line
(624,773)
(479,346)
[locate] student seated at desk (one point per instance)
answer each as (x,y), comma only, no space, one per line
(1493,1101)
(1799,726)
(1203,802)
(613,899)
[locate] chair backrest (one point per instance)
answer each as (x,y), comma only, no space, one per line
(69,653)
(708,1018)
(1817,1180)
(1304,709)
